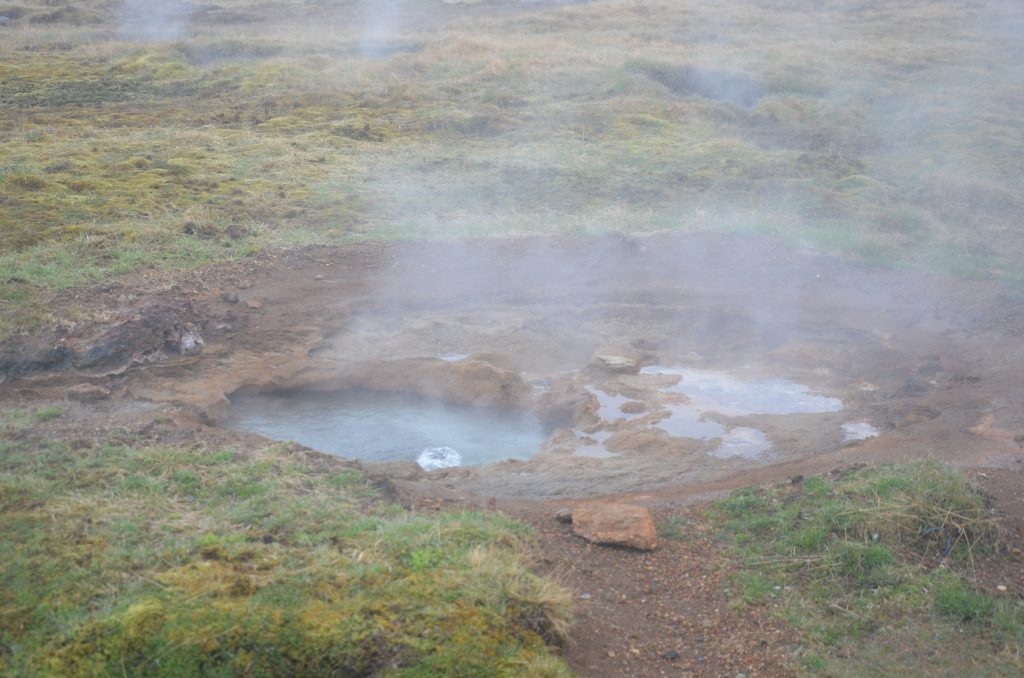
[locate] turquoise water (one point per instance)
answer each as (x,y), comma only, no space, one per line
(380,426)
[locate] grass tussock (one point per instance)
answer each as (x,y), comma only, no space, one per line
(137,560)
(876,566)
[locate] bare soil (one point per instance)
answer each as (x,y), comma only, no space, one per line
(663,613)
(935,363)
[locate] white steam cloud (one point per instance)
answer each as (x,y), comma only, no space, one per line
(154,20)
(381,24)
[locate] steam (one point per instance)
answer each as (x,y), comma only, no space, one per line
(811,114)
(382,22)
(154,20)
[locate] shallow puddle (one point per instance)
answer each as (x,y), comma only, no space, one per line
(389,427)
(688,421)
(743,441)
(708,391)
(860,430)
(712,391)
(595,449)
(609,407)
(452,357)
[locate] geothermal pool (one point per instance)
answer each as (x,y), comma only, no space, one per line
(379,426)
(660,366)
(390,426)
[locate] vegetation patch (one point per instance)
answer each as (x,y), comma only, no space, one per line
(132,559)
(281,131)
(876,568)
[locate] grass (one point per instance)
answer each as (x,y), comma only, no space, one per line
(129,559)
(265,126)
(48,413)
(673,528)
(875,568)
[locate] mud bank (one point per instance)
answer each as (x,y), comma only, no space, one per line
(594,335)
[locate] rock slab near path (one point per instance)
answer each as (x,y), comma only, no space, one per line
(616,525)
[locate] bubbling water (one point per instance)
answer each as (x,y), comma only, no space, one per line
(434,458)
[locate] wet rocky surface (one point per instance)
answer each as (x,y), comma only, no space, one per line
(602,338)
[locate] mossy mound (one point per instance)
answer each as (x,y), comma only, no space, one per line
(135,560)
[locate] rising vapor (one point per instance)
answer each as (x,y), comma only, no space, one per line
(154,20)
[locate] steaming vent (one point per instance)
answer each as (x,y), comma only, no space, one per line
(149,21)
(725,86)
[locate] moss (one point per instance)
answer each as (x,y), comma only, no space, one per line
(163,562)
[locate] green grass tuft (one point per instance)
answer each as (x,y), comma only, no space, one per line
(956,600)
(853,562)
(673,527)
(48,413)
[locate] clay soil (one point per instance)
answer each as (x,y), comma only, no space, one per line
(935,364)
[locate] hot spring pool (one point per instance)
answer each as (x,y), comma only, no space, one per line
(378,426)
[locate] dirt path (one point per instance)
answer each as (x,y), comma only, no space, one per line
(663,613)
(672,612)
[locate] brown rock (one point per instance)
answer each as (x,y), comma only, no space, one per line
(617,525)
(633,407)
(255,304)
(614,363)
(565,400)
(87,393)
(470,382)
